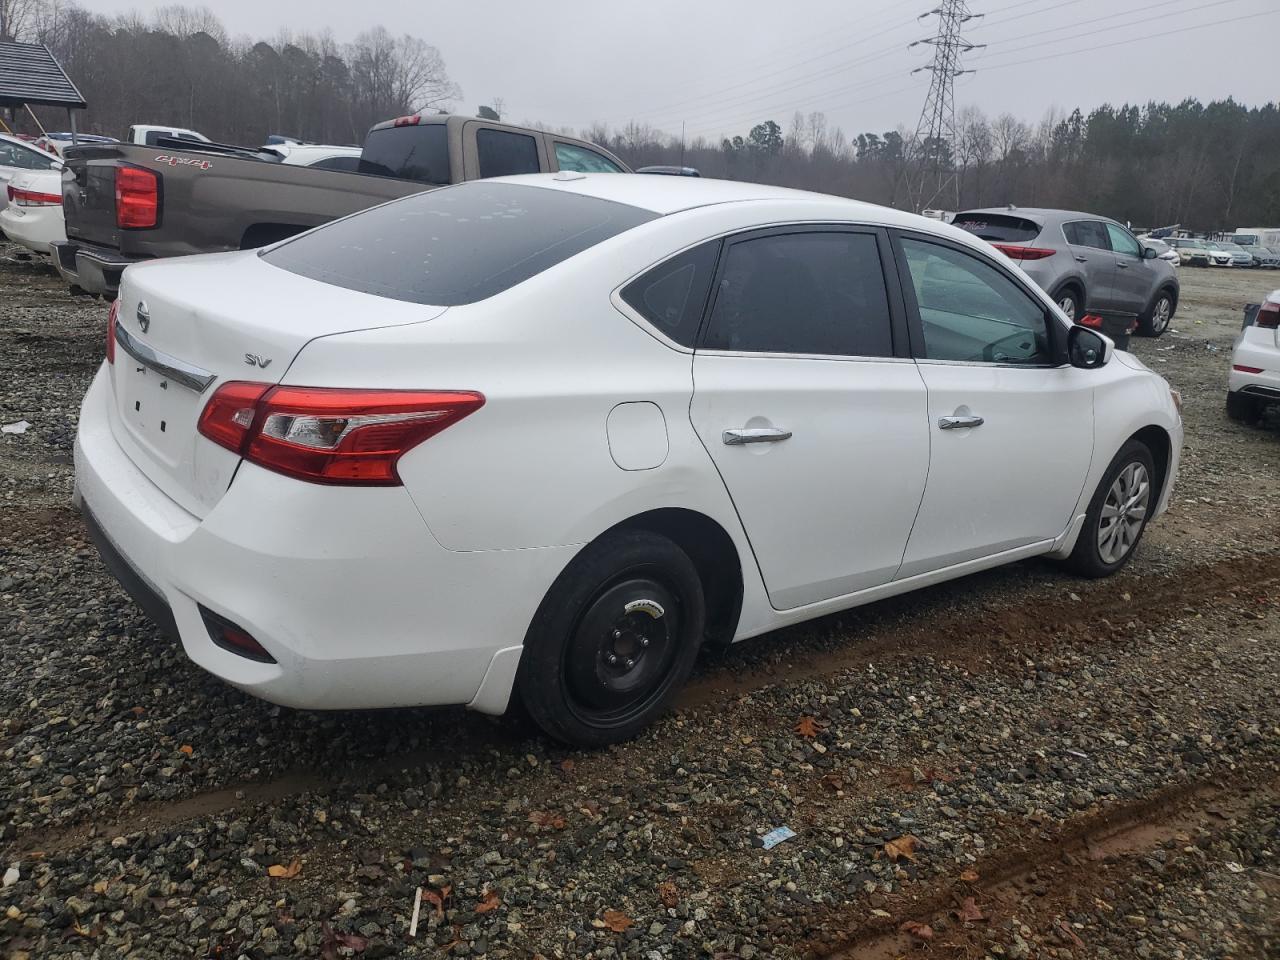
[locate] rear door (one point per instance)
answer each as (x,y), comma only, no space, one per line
(806,400)
(1091,247)
(1011,426)
(1135,278)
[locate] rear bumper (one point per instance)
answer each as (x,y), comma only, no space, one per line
(1257,348)
(35,228)
(91,268)
(345,588)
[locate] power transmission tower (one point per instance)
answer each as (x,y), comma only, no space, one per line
(935,138)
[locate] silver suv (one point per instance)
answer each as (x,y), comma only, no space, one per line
(1090,265)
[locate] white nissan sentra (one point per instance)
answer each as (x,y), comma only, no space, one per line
(543,437)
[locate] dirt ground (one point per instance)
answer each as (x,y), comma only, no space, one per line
(1019,764)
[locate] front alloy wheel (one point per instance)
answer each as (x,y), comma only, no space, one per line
(1156,322)
(1118,513)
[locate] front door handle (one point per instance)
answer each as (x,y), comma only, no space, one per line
(959,423)
(1122,265)
(754,435)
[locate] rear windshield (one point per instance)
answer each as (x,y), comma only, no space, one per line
(998,227)
(415,152)
(455,245)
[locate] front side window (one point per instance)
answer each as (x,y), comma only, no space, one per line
(1122,241)
(503,153)
(455,245)
(673,294)
(570,156)
(808,293)
(970,311)
(1086,233)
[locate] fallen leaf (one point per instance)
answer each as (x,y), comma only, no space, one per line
(921,931)
(617,921)
(437,898)
(668,893)
(1069,934)
(187,748)
(969,912)
(550,821)
(331,940)
(834,781)
(969,876)
(285,873)
(904,846)
(490,903)
(808,727)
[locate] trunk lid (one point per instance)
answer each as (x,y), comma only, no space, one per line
(189,324)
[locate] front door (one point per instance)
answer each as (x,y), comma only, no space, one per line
(816,427)
(1134,276)
(1011,429)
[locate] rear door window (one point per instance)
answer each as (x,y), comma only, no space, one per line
(455,245)
(504,154)
(673,295)
(812,292)
(1087,233)
(998,227)
(413,152)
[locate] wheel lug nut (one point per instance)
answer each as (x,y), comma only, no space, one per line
(644,641)
(628,663)
(611,659)
(617,634)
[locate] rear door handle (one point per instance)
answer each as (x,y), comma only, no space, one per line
(959,423)
(1080,259)
(754,435)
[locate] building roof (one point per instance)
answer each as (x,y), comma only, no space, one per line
(30,74)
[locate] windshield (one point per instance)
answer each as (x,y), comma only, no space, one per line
(455,245)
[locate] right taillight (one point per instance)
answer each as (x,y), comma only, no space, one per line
(1015,252)
(112,315)
(327,434)
(1269,315)
(137,198)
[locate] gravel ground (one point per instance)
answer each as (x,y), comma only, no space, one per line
(1016,765)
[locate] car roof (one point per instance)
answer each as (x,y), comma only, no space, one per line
(1041,215)
(666,195)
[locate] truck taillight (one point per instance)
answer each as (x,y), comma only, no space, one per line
(1269,315)
(112,315)
(330,435)
(137,198)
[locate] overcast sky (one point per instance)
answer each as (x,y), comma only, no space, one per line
(722,66)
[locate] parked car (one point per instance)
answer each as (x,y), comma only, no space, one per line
(1264,257)
(1163,251)
(125,203)
(57,143)
(320,156)
(1254,381)
(1089,265)
(149,135)
(1191,251)
(1240,257)
(17,157)
(670,171)
(1219,255)
(33,215)
(1262,236)
(546,436)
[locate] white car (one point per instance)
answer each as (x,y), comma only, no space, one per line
(546,435)
(1219,256)
(322,156)
(1163,251)
(17,157)
(1254,381)
(150,135)
(33,214)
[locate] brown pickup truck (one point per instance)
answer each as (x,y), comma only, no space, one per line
(124,203)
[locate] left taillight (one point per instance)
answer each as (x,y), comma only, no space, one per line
(112,316)
(33,198)
(137,198)
(330,435)
(1015,252)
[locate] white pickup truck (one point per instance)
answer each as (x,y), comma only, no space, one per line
(148,136)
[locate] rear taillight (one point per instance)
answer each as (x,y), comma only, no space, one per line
(1269,315)
(1015,252)
(112,316)
(33,198)
(330,435)
(137,198)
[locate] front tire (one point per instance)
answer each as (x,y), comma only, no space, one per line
(614,638)
(1155,322)
(1117,514)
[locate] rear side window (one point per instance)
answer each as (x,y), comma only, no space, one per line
(809,293)
(456,245)
(414,152)
(673,294)
(347,164)
(1087,233)
(998,227)
(504,154)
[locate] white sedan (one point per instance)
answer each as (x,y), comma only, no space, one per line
(545,436)
(19,157)
(1254,381)
(33,216)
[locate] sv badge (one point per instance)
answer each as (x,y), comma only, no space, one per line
(253,360)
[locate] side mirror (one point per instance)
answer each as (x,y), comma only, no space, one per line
(1088,349)
(1149,253)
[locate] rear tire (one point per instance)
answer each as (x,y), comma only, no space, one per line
(1157,318)
(1243,408)
(613,640)
(1117,514)
(1070,302)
